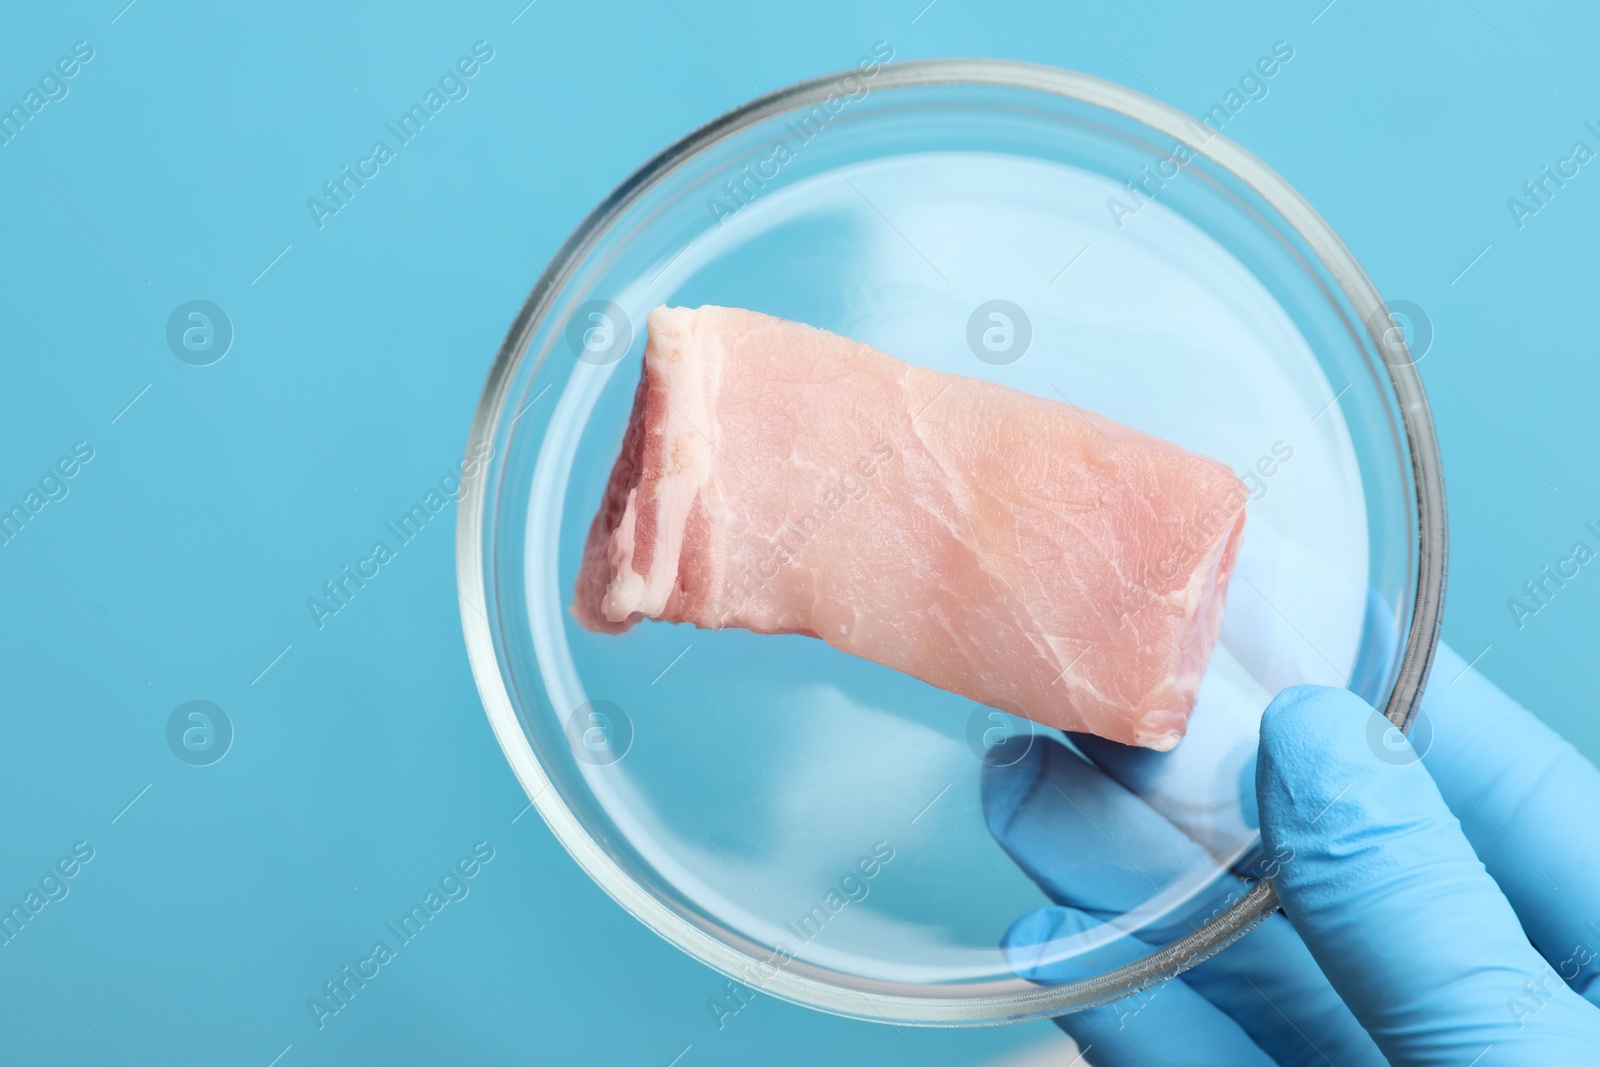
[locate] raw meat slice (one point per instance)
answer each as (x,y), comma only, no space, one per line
(1016,550)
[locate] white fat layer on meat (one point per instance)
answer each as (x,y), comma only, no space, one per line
(1163,742)
(689,376)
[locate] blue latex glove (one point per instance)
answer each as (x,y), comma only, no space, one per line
(1437,912)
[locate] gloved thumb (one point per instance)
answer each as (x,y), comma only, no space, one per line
(1393,903)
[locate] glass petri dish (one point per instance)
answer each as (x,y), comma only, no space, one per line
(809,823)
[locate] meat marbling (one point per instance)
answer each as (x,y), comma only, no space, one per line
(1017,550)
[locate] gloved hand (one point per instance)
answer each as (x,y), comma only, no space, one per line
(1437,912)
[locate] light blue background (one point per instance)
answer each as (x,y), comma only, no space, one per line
(179,565)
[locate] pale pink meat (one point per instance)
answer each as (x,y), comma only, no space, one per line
(1017,550)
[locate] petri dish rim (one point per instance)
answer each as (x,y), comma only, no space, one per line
(476,590)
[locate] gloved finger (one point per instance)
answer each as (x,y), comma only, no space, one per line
(1266,982)
(1073,831)
(1530,805)
(1167,1024)
(1393,903)
(1270,982)
(1089,843)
